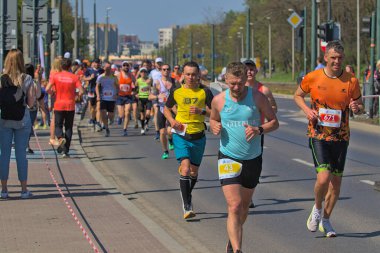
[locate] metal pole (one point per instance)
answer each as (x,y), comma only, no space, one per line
(203,56)
(95,31)
(304,41)
(329,10)
(212,52)
(2,49)
(372,63)
(81,46)
(270,47)
(252,43)
(191,45)
(378,31)
(248,35)
(53,42)
(34,36)
(313,48)
(358,39)
(75,53)
(242,44)
(60,31)
(106,36)
(318,23)
(292,53)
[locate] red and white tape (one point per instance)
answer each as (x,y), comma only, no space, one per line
(65,199)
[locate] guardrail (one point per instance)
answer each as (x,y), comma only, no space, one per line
(378,104)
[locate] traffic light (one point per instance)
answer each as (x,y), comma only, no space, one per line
(326,31)
(366,27)
(52,33)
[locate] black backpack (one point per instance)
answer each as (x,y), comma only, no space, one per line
(11,108)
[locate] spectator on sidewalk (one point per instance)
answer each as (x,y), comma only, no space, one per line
(17,93)
(320,62)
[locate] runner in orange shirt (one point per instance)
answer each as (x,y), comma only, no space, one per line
(333,92)
(176,74)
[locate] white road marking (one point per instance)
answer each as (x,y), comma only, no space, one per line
(303,162)
(286,110)
(303,120)
(283,123)
(368,182)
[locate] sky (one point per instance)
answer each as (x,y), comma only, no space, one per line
(145,17)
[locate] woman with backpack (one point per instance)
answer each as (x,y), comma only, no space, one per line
(17,94)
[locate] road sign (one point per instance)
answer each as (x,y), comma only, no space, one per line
(323,45)
(38,2)
(42,13)
(294,20)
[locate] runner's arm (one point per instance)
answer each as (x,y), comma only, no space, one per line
(215,120)
(299,98)
(267,92)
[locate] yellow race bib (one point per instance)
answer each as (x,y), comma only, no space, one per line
(228,168)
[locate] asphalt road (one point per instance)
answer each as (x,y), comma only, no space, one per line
(283,199)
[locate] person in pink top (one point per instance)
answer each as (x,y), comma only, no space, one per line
(65,84)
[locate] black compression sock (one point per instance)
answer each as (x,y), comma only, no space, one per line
(142,124)
(193,181)
(184,184)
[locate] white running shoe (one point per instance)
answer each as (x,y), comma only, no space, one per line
(326,228)
(142,132)
(314,219)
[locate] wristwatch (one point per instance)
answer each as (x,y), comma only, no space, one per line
(203,111)
(261,130)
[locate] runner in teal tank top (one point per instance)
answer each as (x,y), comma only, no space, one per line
(235,114)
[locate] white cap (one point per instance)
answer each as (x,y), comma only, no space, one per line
(159,59)
(78,61)
(144,69)
(113,66)
(124,62)
(67,55)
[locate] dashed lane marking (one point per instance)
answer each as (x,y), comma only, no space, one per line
(303,162)
(368,182)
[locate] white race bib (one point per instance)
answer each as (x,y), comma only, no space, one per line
(228,168)
(91,94)
(125,87)
(108,93)
(181,132)
(330,117)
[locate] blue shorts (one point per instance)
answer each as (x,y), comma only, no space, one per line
(189,149)
(123,100)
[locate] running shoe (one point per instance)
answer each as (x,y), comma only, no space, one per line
(98,127)
(107,132)
(171,146)
(30,151)
(251,205)
(188,211)
(142,132)
(157,136)
(326,228)
(65,155)
(229,248)
(61,143)
(26,195)
(91,122)
(165,155)
(44,127)
(125,133)
(119,121)
(146,128)
(314,219)
(4,195)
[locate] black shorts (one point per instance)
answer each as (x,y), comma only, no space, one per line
(92,101)
(329,155)
(144,104)
(109,106)
(250,173)
(161,120)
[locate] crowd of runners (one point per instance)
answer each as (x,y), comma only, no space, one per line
(175,103)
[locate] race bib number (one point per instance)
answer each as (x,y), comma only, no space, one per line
(181,131)
(125,87)
(91,94)
(145,89)
(228,168)
(107,93)
(329,117)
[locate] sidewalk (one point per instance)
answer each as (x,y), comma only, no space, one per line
(44,223)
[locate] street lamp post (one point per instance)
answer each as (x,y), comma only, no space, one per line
(252,42)
(106,51)
(291,10)
(242,41)
(95,30)
(270,46)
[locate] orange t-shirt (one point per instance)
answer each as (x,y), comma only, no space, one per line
(175,76)
(65,84)
(125,84)
(333,94)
